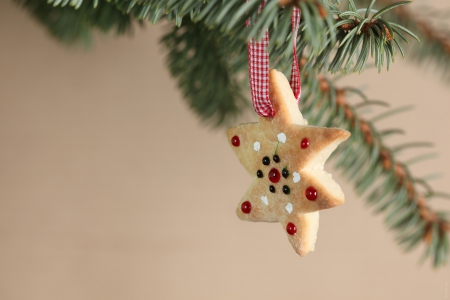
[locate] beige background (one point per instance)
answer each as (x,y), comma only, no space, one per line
(110,188)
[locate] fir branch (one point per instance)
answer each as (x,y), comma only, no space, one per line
(324,26)
(201,56)
(71,25)
(360,33)
(366,160)
(207,74)
(436,41)
(317,22)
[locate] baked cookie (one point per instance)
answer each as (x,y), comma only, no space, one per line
(286,158)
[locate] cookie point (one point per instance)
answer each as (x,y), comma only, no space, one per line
(283,101)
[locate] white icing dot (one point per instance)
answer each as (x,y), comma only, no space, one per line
(256,146)
(296,177)
(289,208)
(265,200)
(281,137)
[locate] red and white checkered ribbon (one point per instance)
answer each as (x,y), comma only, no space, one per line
(258,68)
(295,71)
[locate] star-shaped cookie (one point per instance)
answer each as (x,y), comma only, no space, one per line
(286,158)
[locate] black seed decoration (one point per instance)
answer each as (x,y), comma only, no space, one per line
(286,190)
(285,173)
(276,158)
(266,160)
(259,174)
(272,189)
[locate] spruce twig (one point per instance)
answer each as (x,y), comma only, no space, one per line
(325,27)
(367,160)
(70,25)
(436,41)
(200,60)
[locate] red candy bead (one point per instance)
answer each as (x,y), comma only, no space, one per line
(304,143)
(291,229)
(311,193)
(235,141)
(274,175)
(246,207)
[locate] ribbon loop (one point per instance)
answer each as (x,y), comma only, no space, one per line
(295,71)
(258,68)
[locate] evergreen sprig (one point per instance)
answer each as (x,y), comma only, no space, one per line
(213,13)
(361,33)
(350,35)
(71,25)
(200,60)
(435,47)
(228,52)
(388,184)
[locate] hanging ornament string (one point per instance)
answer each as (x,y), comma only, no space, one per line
(258,72)
(258,67)
(295,71)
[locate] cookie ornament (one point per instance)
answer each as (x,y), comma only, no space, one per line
(285,156)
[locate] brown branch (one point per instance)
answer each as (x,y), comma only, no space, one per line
(405,15)
(430,33)
(386,159)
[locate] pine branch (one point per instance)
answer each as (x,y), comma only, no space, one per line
(230,15)
(376,172)
(321,32)
(210,46)
(324,26)
(71,25)
(360,33)
(436,41)
(207,74)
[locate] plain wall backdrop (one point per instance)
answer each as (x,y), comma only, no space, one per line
(110,187)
